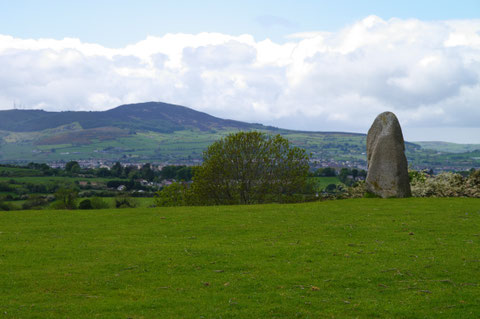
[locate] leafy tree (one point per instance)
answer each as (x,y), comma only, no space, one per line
(103,172)
(147,172)
(178,172)
(172,195)
(117,170)
(72,167)
(66,198)
(184,173)
(168,172)
(250,167)
(325,172)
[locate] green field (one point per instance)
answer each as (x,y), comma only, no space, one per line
(187,146)
(47,179)
(322,182)
(449,147)
(366,258)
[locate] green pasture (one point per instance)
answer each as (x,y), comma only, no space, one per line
(47,179)
(449,147)
(16,171)
(322,182)
(364,258)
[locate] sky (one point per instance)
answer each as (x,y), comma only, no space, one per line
(304,65)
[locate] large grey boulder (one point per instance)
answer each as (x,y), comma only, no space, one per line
(387,165)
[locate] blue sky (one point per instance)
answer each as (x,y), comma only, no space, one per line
(306,65)
(116,23)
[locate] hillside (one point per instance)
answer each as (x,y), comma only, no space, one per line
(449,147)
(167,133)
(150,116)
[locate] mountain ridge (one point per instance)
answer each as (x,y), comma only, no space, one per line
(168,133)
(154,116)
(179,117)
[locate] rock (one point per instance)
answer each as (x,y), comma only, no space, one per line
(387,165)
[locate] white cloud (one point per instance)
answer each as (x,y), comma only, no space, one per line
(426,72)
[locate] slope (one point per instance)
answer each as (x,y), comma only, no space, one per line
(167,133)
(150,116)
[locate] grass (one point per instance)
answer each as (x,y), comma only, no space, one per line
(185,146)
(322,182)
(15,171)
(47,179)
(449,147)
(367,258)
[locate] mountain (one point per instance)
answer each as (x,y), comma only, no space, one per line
(150,116)
(167,133)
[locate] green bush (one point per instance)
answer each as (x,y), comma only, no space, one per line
(99,203)
(249,168)
(5,206)
(66,199)
(34,202)
(445,184)
(123,201)
(85,204)
(172,195)
(441,185)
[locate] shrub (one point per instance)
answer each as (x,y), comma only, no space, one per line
(5,187)
(172,195)
(123,201)
(85,204)
(98,203)
(4,205)
(472,184)
(445,184)
(441,185)
(34,202)
(66,198)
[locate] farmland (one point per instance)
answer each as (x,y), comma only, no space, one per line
(179,135)
(364,258)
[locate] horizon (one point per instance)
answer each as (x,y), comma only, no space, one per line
(145,102)
(308,66)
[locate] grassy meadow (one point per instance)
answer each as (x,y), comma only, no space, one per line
(365,258)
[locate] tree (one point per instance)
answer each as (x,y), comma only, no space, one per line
(172,195)
(250,167)
(72,167)
(66,198)
(147,172)
(117,170)
(327,172)
(180,172)
(103,172)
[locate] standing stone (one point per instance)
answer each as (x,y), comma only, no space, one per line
(387,165)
